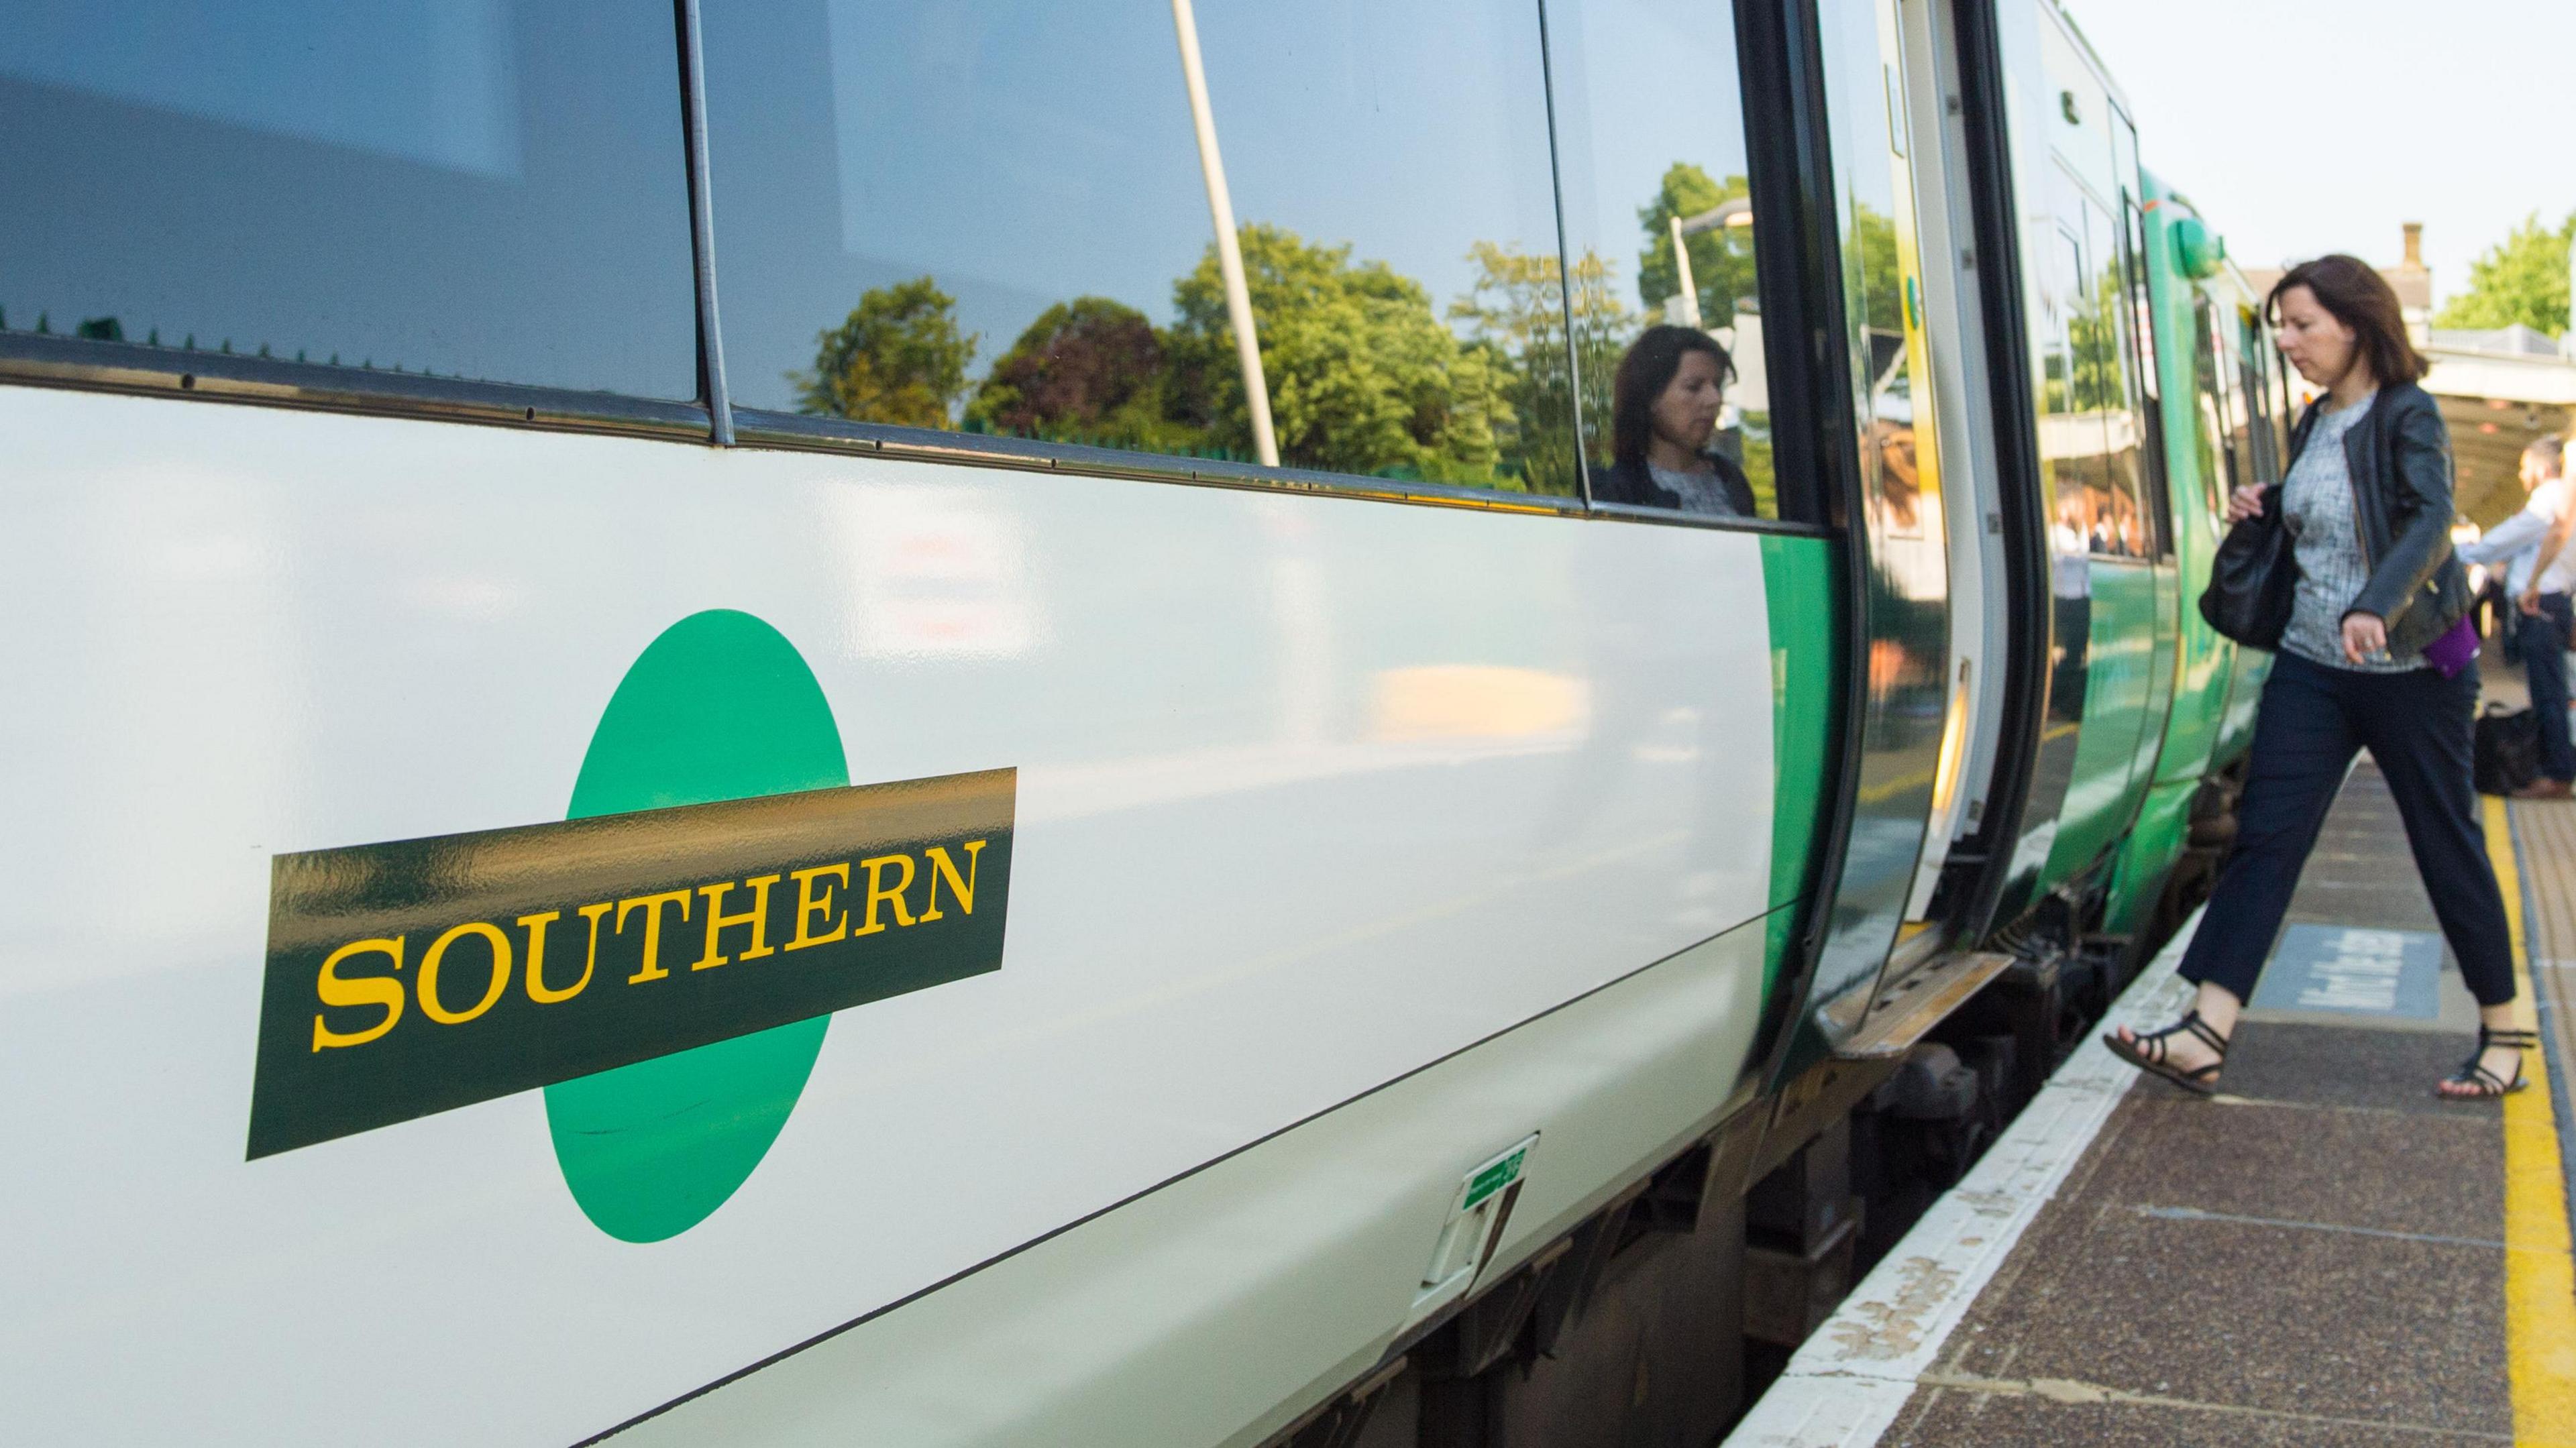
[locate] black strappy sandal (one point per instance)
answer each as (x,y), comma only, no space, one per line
(2483,1084)
(2147,1053)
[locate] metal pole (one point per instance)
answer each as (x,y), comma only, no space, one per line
(1569,272)
(1682,274)
(1229,251)
(702,228)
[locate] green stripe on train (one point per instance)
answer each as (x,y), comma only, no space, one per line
(2103,796)
(1799,584)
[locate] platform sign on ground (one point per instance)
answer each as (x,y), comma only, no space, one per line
(2361,972)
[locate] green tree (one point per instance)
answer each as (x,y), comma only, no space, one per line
(1721,257)
(1516,311)
(1089,370)
(2093,330)
(898,358)
(1515,321)
(1363,377)
(1871,252)
(2522,278)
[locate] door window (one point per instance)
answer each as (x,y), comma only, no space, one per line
(1659,220)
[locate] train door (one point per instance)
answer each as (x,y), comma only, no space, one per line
(1902,518)
(1954,346)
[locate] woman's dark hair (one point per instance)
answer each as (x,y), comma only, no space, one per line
(2360,298)
(1643,375)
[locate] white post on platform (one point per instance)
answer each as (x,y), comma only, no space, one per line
(1229,250)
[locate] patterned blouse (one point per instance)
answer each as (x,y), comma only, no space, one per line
(1701,492)
(2317,504)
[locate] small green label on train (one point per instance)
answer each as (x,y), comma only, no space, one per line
(1494,1178)
(422,975)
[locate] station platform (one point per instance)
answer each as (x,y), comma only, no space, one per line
(2322,1254)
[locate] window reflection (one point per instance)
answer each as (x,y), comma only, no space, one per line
(480,189)
(2126,380)
(2216,441)
(897,358)
(994,218)
(2091,431)
(2261,438)
(2239,448)
(1666,399)
(1676,400)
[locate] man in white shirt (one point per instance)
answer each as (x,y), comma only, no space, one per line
(2539,575)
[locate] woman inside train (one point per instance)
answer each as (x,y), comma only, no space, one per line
(2372,656)
(1669,390)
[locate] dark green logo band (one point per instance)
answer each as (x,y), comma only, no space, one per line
(423,975)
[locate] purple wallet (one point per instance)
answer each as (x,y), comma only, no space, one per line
(2454,649)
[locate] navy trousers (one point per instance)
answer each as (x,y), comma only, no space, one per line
(2417,726)
(2544,660)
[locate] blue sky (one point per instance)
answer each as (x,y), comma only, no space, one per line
(2303,128)
(1025,152)
(1621,135)
(1045,151)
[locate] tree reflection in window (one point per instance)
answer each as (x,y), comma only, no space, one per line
(1365,375)
(1043,166)
(1088,371)
(1721,257)
(897,358)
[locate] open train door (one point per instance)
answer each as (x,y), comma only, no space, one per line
(1940,909)
(1934,575)
(1902,521)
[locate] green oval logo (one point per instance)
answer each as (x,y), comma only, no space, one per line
(720,707)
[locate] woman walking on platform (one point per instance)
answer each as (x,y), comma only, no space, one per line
(2367,502)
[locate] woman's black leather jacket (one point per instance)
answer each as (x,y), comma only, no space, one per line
(2400,461)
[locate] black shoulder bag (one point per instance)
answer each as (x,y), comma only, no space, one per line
(2253,580)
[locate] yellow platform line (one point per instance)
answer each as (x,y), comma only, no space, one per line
(2540,1268)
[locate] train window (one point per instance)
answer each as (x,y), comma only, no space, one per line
(2145,399)
(493,191)
(2070,442)
(2217,447)
(2081,123)
(2122,527)
(996,218)
(2238,445)
(1659,221)
(2261,428)
(2285,420)
(2084,419)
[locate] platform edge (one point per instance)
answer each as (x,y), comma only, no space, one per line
(1848,1383)
(2540,1273)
